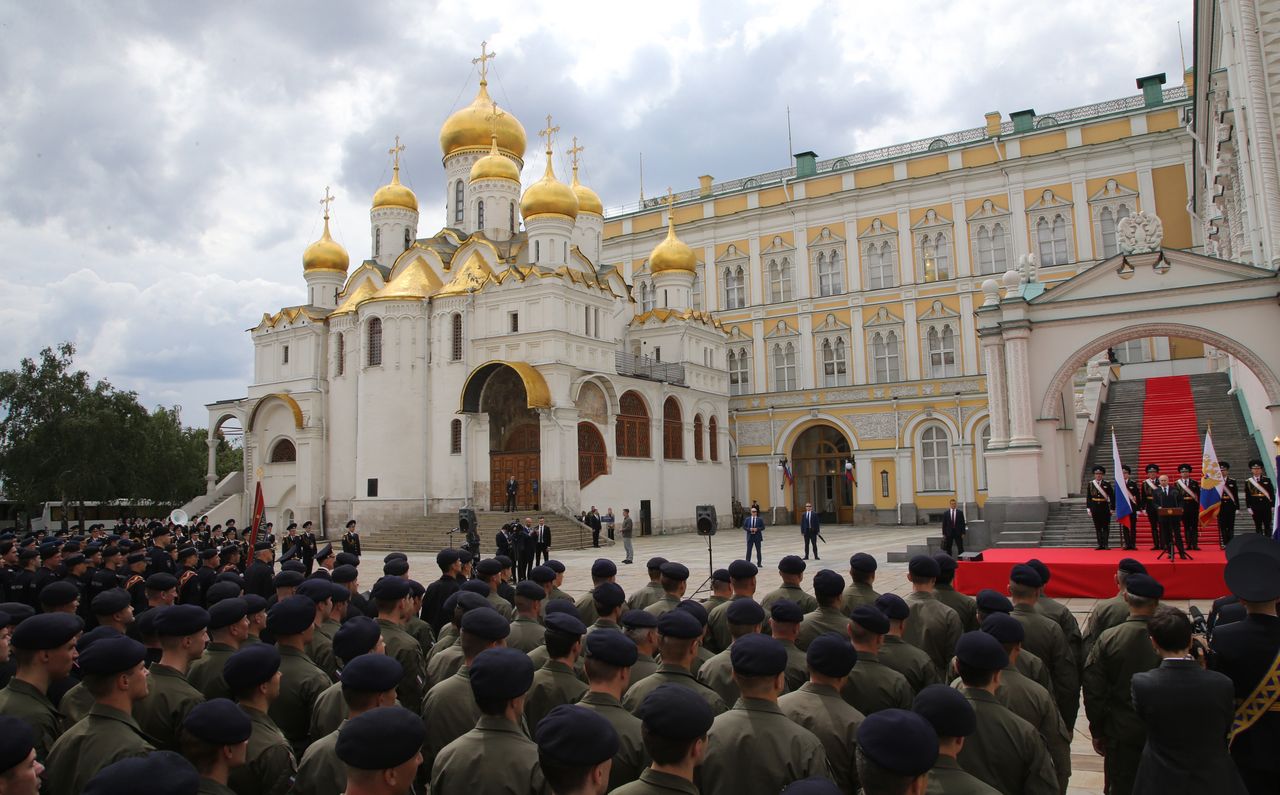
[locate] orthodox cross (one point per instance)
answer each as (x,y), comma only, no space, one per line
(574,150)
(493,118)
(395,153)
(483,60)
(548,132)
(326,201)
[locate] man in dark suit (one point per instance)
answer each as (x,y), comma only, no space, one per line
(1170,526)
(1189,491)
(513,486)
(1101,499)
(523,547)
(502,541)
(810,527)
(953,529)
(1183,754)
(1147,501)
(753,525)
(1230,504)
(592,520)
(542,534)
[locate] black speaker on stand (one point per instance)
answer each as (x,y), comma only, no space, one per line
(466,523)
(706,524)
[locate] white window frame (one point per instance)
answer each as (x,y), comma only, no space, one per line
(780,281)
(886,347)
(933,451)
(878,247)
(932,236)
(783,356)
(1106,207)
(739,367)
(833,353)
(1049,221)
(984,441)
(940,357)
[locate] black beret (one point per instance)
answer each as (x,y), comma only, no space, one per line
(112,655)
(831,654)
(1004,628)
(29,554)
(982,651)
(136,557)
(611,648)
(742,570)
(397,567)
(338,593)
(380,739)
(178,621)
(1026,576)
(814,785)
(161,581)
(227,612)
(489,567)
(325,552)
(218,721)
(486,624)
(669,712)
(254,603)
(4,619)
(575,736)
(208,554)
(828,583)
(46,631)
(785,611)
(17,738)
(674,571)
(603,567)
(500,674)
(893,606)
(287,579)
(561,606)
(50,548)
(563,623)
(923,566)
(390,556)
(250,666)
(145,622)
(372,673)
(1253,577)
(292,615)
(94,635)
(643,619)
(529,589)
(791,564)
(1131,566)
(655,563)
(902,742)
(870,619)
(344,574)
(356,636)
(467,601)
(165,773)
(224,579)
(673,623)
(720,575)
(744,612)
(390,588)
(317,590)
(59,594)
(1041,569)
(1098,468)
(555,566)
(542,574)
(506,562)
(18,612)
(946,708)
(990,601)
(347,559)
(947,565)
(262,546)
(73,560)
(110,602)
(1143,585)
(608,595)
(758,654)
(694,609)
(477,587)
(187,552)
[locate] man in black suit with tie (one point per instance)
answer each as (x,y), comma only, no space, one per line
(953,529)
(1170,526)
(1183,754)
(542,534)
(810,527)
(753,525)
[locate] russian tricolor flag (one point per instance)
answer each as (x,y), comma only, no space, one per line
(1124,500)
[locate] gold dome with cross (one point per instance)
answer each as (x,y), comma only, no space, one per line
(395,194)
(468,128)
(549,196)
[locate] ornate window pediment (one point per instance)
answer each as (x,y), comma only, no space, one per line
(1049,219)
(883,317)
(831,323)
(989,227)
(781,329)
(1106,209)
(878,247)
(931,237)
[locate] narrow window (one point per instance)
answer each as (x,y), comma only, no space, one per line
(375,342)
(455,352)
(455,437)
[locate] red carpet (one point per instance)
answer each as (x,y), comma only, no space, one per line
(1090,573)
(1169,438)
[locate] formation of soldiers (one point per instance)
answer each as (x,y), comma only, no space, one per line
(169,664)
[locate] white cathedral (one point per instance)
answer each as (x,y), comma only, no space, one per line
(419,381)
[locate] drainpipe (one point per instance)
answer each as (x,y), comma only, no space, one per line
(897,439)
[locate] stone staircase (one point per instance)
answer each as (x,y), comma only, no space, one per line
(1122,411)
(1231,439)
(430,533)
(1069,525)
(931,545)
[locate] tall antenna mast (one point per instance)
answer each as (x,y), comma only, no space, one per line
(642,177)
(790,147)
(1181,50)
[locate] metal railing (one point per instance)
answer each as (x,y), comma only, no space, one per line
(648,367)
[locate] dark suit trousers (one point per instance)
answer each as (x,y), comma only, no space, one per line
(948,539)
(1191,524)
(1226,524)
(511,502)
(810,539)
(1157,535)
(754,540)
(1171,533)
(1101,526)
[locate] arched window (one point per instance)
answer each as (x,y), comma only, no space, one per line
(1051,240)
(735,291)
(672,431)
(941,350)
(511,217)
(784,367)
(283,453)
(375,342)
(455,437)
(593,461)
(830,279)
(646,297)
(455,348)
(984,441)
(377,241)
(780,280)
(697,437)
(457,202)
(881,270)
(1108,221)
(834,362)
(632,435)
(739,372)
(537,251)
(713,437)
(480,215)
(408,238)
(992,258)
(884,357)
(942,257)
(935,459)
(339,353)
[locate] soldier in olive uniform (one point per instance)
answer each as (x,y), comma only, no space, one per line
(555,683)
(1122,651)
(721,590)
(742,579)
(18,766)
(944,590)
(253,677)
(527,633)
(678,634)
(896,750)
(113,672)
(1060,614)
(320,648)
(183,630)
(607,602)
(576,747)
(828,587)
(862,576)
(292,621)
(642,628)
(228,631)
(368,682)
(44,649)
(933,627)
(359,636)
(899,655)
(1045,639)
(675,737)
(391,595)
(873,686)
(791,570)
(380,750)
(785,617)
(499,680)
(817,706)
(602,571)
(490,572)
(745,618)
(213,738)
(652,590)
(674,578)
(953,717)
(609,657)
(1108,613)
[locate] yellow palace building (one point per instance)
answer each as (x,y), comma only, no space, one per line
(848,288)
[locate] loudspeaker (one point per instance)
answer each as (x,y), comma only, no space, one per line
(972,557)
(706,520)
(467,520)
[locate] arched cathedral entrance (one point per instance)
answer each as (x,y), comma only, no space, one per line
(509,394)
(818,464)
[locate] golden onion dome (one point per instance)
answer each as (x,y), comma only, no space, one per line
(672,254)
(549,196)
(326,254)
(395,194)
(495,165)
(469,128)
(588,201)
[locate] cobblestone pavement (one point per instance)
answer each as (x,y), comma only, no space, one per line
(842,541)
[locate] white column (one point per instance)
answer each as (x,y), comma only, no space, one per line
(211,476)
(997,389)
(1018,221)
(711,299)
(857,346)
(911,340)
(802,279)
(964,472)
(961,235)
(1021,426)
(807,363)
(760,359)
(906,475)
(968,336)
(866,476)
(1084,224)
(906,252)
(1146,191)
(755,277)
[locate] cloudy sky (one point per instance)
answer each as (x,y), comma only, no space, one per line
(161,163)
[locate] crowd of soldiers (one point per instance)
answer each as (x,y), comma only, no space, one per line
(170,664)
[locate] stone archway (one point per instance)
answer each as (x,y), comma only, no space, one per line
(510,394)
(818,457)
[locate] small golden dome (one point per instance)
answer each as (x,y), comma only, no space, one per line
(495,165)
(468,128)
(672,254)
(588,201)
(395,194)
(326,254)
(549,196)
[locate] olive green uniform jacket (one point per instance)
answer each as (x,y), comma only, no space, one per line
(320,648)
(408,653)
(205,674)
(329,711)
(75,704)
(444,665)
(1044,638)
(668,674)
(106,735)
(1121,652)
(948,778)
(909,661)
(1106,614)
(754,747)
(821,710)
(449,711)
(1005,751)
(718,638)
(824,619)
(301,683)
(270,764)
(641,599)
(526,635)
(664,604)
(631,757)
(651,782)
(494,758)
(873,686)
(965,606)
(554,684)
(20,700)
(717,674)
(169,698)
(586,605)
(933,628)
(795,593)
(320,771)
(797,672)
(857,594)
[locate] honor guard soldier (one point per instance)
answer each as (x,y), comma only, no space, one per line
(215,736)
(1129,525)
(253,677)
(1189,491)
(19,769)
(953,717)
(652,590)
(899,655)
(1122,651)
(945,591)
(742,578)
(1230,505)
(556,683)
(1260,498)
(896,750)
(829,590)
(862,575)
(817,706)
(164,773)
(1102,500)
(496,755)
(183,631)
(44,650)
(308,546)
(872,685)
(609,657)
(351,539)
(113,671)
(675,737)
(933,626)
(576,747)
(791,570)
(679,634)
(381,751)
(368,682)
(258,577)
